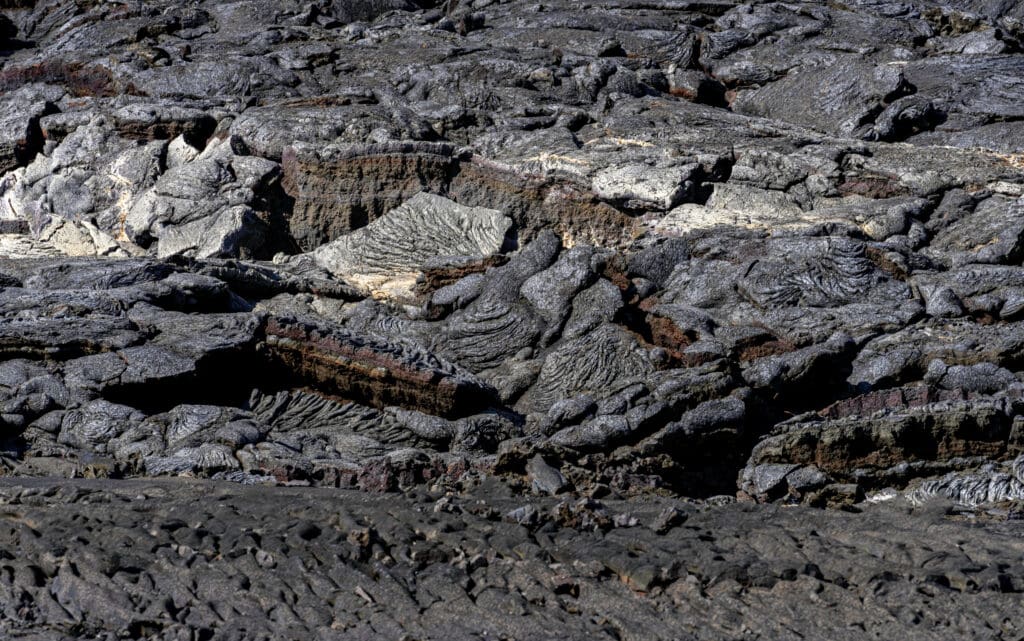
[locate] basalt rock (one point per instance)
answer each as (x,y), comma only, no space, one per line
(839,97)
(904,356)
(386,257)
(22,137)
(474,567)
(203,208)
(496,325)
(367,368)
(993,234)
(891,446)
(601,270)
(340,189)
(988,485)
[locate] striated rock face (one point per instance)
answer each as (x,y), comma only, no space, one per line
(654,254)
(892,445)
(373,371)
(386,257)
(340,189)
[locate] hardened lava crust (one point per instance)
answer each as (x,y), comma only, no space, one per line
(496,319)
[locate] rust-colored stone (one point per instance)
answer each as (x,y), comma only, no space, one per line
(196,132)
(873,186)
(435,278)
(80,80)
(878,257)
(339,190)
(890,399)
(933,431)
(371,370)
(536,203)
(764,349)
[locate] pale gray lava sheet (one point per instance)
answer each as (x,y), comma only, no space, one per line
(497,319)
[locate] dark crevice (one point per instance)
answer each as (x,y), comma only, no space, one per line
(275,207)
(704,180)
(12,45)
(221,379)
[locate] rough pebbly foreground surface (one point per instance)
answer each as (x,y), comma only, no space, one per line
(608,269)
(196,559)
